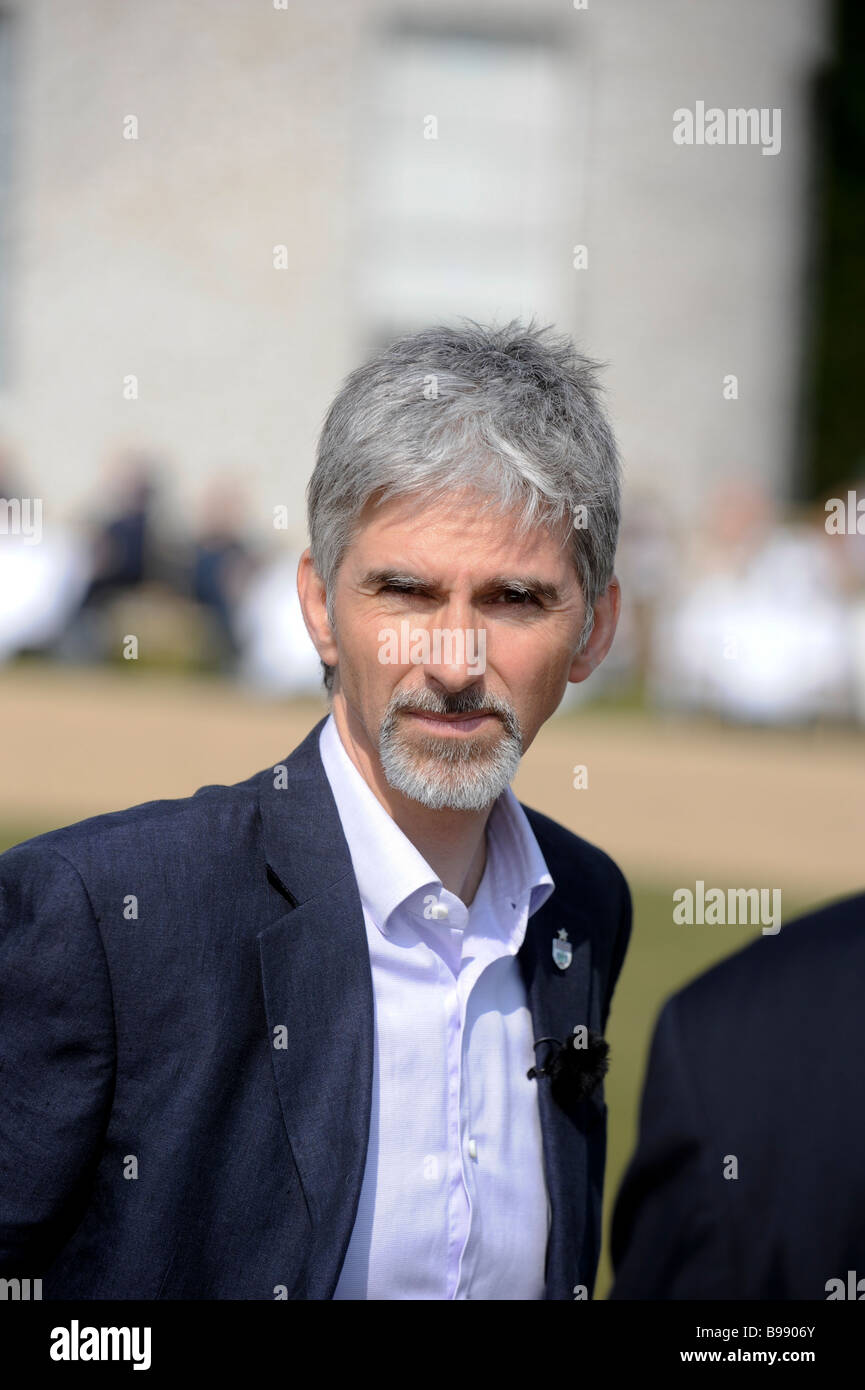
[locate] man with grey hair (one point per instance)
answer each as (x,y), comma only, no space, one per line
(356,1042)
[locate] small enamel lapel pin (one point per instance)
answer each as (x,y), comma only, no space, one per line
(563,952)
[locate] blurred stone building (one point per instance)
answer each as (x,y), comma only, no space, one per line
(230,203)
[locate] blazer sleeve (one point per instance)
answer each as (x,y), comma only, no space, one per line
(57,1053)
(669,1238)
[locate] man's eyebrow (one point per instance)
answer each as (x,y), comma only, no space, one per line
(373,577)
(527,584)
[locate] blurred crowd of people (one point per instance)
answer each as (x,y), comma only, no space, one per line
(739,612)
(197,594)
(754,616)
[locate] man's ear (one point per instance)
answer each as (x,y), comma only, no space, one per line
(607,611)
(313,606)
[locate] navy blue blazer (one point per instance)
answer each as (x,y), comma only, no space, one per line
(154,1142)
(759,1060)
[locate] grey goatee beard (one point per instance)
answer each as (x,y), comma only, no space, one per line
(458,773)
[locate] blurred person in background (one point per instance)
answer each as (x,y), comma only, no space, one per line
(761,633)
(43,569)
(648,571)
(123,556)
(222,566)
(276,656)
(122,543)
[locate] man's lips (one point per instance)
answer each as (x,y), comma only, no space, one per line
(453,723)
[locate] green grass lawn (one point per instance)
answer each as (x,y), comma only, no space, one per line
(661,958)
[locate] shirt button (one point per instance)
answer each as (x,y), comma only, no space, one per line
(438,911)
(473,1149)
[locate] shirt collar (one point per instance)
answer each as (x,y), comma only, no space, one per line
(515,864)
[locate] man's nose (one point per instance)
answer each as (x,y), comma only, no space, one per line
(457,648)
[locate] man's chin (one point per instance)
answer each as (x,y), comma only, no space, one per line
(442,798)
(468,778)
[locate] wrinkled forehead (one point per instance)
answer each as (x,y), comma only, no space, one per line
(460,524)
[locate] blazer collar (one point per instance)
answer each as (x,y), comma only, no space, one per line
(303,841)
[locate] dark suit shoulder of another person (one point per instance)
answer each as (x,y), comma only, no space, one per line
(749,1175)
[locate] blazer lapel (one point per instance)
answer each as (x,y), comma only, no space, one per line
(558,1000)
(318,998)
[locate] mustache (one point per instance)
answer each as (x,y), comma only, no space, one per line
(460,702)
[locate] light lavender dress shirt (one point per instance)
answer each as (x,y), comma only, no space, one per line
(454,1201)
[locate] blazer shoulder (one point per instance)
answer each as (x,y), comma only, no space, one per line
(577,858)
(206,816)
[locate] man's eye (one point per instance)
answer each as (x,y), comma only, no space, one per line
(519,598)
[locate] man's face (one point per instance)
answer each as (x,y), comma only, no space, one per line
(449,717)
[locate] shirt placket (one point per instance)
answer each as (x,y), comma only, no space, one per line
(459,1202)
(487,951)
